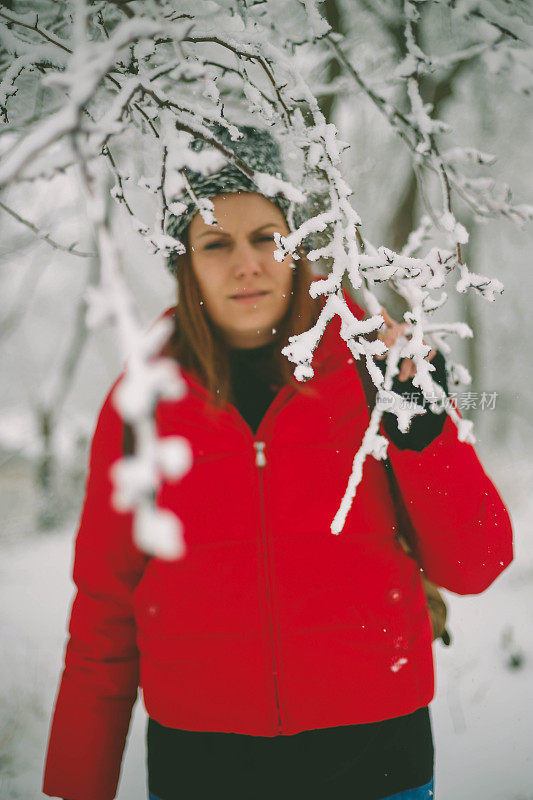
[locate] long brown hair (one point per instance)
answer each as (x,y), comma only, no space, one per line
(199,346)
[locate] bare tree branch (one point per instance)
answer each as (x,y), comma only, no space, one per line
(17,20)
(45,237)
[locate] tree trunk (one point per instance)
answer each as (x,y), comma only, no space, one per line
(333,16)
(45,473)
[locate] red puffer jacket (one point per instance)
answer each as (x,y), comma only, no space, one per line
(269,624)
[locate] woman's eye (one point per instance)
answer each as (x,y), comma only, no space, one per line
(217,244)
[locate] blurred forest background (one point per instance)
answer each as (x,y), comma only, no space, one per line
(55,372)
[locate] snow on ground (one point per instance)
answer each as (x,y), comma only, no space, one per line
(482,713)
(483,708)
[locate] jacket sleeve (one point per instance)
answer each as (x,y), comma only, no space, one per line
(98,687)
(463,529)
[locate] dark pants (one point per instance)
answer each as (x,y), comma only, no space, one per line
(362,762)
(420,793)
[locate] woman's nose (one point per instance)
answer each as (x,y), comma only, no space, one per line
(245,261)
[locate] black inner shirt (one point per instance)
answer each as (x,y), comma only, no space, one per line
(253,381)
(350,762)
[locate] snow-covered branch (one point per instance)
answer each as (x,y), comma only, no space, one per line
(149,78)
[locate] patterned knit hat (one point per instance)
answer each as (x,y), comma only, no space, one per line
(257,149)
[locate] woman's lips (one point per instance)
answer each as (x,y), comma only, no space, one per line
(249,298)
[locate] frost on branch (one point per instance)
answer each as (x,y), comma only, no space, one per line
(301,347)
(129,86)
(159,531)
(402,409)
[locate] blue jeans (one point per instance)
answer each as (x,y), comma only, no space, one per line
(420,793)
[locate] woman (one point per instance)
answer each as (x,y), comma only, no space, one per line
(276,660)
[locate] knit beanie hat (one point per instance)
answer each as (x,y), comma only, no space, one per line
(257,149)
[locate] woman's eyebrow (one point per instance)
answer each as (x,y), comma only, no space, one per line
(212,233)
(267,225)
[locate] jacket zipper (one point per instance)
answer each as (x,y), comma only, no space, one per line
(260,461)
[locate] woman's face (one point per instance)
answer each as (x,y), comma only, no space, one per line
(246,292)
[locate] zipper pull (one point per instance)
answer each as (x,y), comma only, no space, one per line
(260,458)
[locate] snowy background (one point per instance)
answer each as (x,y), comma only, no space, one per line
(482,716)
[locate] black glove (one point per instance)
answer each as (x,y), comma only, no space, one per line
(424,427)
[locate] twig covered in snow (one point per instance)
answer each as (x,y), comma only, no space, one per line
(146,379)
(151,77)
